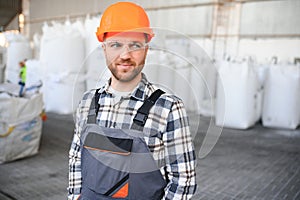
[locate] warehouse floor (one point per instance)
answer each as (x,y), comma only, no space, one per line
(258,163)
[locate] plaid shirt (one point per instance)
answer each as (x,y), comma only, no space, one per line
(170,140)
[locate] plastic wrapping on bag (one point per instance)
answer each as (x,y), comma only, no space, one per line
(282,97)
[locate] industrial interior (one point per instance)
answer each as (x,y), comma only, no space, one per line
(234,63)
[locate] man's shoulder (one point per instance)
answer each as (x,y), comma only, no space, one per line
(171,97)
(168,97)
(88,94)
(87,99)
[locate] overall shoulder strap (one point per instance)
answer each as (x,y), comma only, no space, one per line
(94,108)
(140,117)
(142,113)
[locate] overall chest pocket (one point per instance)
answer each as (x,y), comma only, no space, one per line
(105,166)
(119,166)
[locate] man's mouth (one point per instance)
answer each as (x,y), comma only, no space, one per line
(125,65)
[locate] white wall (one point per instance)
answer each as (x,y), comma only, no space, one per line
(270,28)
(190,21)
(258,28)
(163,12)
(271,17)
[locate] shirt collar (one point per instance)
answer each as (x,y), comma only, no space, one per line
(105,87)
(138,93)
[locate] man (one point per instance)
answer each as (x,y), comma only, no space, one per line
(109,161)
(22,77)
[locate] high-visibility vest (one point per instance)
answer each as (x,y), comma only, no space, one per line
(23,74)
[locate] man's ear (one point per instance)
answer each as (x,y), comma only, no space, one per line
(103,47)
(146,49)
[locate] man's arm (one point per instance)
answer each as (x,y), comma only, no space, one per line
(180,155)
(74,188)
(75,180)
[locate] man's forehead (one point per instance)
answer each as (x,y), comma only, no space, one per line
(126,36)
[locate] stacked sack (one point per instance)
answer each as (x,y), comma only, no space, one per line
(282,97)
(95,64)
(247,93)
(239,95)
(18,50)
(34,77)
(62,57)
(175,69)
(20,123)
(3,63)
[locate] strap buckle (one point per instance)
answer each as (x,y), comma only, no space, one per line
(140,118)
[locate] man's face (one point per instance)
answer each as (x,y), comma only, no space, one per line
(125,55)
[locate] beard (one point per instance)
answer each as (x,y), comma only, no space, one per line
(126,76)
(128,73)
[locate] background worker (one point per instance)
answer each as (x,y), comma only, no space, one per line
(125,32)
(22,77)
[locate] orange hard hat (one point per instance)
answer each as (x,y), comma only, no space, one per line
(124,17)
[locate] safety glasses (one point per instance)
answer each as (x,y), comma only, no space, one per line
(118,46)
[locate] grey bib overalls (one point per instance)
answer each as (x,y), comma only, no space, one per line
(117,163)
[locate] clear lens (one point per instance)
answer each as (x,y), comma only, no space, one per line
(116,46)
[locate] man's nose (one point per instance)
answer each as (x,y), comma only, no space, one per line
(125,54)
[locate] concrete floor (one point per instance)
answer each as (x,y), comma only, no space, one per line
(258,163)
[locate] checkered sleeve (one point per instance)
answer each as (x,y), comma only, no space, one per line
(180,156)
(74,188)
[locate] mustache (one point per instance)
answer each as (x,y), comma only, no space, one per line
(127,62)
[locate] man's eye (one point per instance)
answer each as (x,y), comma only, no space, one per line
(136,45)
(115,45)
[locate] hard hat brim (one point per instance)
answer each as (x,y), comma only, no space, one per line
(148,31)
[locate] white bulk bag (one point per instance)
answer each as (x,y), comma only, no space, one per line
(20,140)
(18,49)
(34,76)
(282,97)
(154,62)
(91,41)
(237,91)
(158,69)
(182,86)
(62,49)
(63,92)
(20,124)
(15,110)
(36,43)
(208,74)
(97,80)
(261,71)
(96,68)
(2,63)
(180,46)
(197,83)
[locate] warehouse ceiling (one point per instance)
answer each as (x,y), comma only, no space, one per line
(8,10)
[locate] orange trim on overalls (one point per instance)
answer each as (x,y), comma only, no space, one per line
(113,152)
(122,192)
